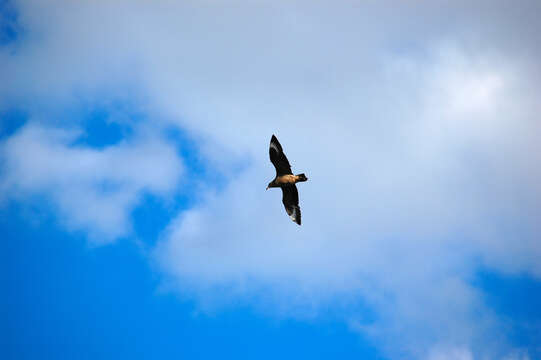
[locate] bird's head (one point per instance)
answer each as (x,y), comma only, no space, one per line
(271,184)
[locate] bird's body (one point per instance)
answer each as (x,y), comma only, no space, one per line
(285,180)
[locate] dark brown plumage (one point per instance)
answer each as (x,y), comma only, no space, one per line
(286,180)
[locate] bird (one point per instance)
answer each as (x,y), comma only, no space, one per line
(285,180)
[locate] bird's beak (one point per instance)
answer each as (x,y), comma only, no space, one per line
(267,188)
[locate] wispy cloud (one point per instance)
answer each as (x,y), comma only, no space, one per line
(94,190)
(450,354)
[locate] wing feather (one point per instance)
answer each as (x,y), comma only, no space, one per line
(290,198)
(278,158)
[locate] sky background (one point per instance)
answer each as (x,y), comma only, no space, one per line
(134,156)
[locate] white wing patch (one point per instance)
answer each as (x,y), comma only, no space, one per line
(293,215)
(273,145)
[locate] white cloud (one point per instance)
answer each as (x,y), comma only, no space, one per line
(94,190)
(416,124)
(411,188)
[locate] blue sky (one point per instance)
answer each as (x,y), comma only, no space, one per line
(134,156)
(105,305)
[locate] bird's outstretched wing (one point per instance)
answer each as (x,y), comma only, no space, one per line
(278,158)
(290,198)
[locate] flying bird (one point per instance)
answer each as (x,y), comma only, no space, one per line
(286,180)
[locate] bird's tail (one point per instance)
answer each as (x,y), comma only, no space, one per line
(301,177)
